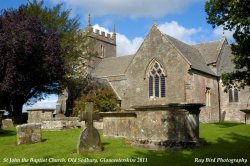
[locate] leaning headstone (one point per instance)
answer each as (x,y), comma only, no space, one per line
(1,116)
(89,140)
(29,133)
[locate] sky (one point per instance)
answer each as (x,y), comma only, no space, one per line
(182,19)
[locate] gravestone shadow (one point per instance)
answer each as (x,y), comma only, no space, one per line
(222,148)
(227,124)
(7,133)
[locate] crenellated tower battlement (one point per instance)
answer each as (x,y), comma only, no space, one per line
(105,44)
(101,35)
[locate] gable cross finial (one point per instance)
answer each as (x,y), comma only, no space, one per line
(155,22)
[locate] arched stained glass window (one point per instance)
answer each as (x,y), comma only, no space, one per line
(157,81)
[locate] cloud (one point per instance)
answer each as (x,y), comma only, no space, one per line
(125,46)
(179,32)
(48,103)
(218,33)
(129,8)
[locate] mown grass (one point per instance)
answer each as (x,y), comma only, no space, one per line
(226,140)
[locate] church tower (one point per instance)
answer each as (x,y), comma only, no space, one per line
(105,43)
(105,46)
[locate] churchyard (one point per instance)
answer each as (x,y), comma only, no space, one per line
(157,106)
(219,143)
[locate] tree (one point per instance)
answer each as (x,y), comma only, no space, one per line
(77,47)
(72,45)
(104,100)
(234,15)
(30,59)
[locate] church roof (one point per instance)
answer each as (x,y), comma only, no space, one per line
(199,57)
(192,55)
(226,65)
(114,66)
(210,50)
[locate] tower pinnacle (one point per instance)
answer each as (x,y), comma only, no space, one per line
(114,33)
(89,21)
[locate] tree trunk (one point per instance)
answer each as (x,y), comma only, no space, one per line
(17,113)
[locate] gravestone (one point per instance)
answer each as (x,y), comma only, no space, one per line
(7,123)
(1,116)
(89,140)
(29,133)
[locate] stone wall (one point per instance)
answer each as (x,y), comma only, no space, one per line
(67,123)
(133,89)
(231,111)
(61,123)
(38,115)
(182,83)
(29,133)
(199,83)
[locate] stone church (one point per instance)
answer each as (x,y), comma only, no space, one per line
(165,70)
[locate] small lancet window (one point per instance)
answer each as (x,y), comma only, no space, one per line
(208,97)
(102,51)
(157,81)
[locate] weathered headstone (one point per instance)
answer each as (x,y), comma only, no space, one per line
(1,115)
(7,123)
(28,133)
(89,140)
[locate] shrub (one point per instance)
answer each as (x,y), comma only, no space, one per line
(104,100)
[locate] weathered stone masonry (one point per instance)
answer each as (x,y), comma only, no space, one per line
(156,127)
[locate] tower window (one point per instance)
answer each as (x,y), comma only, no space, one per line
(102,51)
(233,95)
(157,81)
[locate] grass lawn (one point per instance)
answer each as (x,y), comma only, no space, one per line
(226,140)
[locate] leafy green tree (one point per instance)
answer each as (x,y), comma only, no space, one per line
(77,47)
(104,100)
(234,15)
